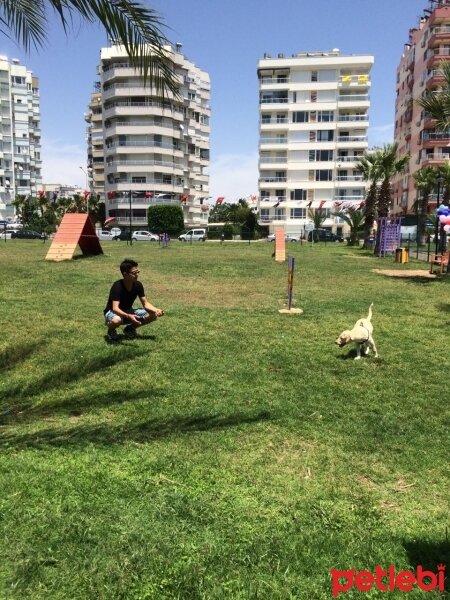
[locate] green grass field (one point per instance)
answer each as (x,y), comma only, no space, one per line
(230,451)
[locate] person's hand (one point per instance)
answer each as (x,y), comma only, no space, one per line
(159,312)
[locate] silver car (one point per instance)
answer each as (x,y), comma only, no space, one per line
(288,237)
(144,236)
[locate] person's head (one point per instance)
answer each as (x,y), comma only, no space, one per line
(129,266)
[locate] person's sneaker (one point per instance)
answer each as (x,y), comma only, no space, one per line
(112,336)
(130,332)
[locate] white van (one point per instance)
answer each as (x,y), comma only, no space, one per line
(104,235)
(194,235)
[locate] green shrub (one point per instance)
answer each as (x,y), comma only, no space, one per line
(166,218)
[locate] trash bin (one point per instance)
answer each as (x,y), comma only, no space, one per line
(401,255)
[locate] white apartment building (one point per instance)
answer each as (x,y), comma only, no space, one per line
(20,139)
(95,169)
(314,117)
(155,150)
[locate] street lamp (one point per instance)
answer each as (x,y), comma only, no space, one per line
(87,189)
(131,237)
(436,232)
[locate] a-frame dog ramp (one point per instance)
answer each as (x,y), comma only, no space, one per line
(76,229)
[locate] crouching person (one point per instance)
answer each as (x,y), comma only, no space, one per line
(119,309)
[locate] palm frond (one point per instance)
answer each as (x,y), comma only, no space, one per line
(25,20)
(138,29)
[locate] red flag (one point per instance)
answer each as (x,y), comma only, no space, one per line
(220,199)
(149,195)
(110,220)
(337,204)
(86,194)
(111,195)
(183,198)
(322,202)
(362,204)
(41,194)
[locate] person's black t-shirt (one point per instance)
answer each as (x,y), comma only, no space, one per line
(126,298)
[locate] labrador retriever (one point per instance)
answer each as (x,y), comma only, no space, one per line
(361,335)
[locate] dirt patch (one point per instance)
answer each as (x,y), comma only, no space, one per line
(413,273)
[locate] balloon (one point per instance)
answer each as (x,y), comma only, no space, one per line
(442,219)
(446,228)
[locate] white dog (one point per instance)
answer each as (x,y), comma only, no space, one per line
(361,335)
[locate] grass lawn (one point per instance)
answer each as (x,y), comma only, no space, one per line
(230,451)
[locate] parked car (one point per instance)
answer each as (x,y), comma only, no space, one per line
(288,237)
(27,234)
(144,236)
(104,235)
(195,235)
(124,235)
(324,235)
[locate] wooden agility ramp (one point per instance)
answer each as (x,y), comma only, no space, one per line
(280,245)
(76,229)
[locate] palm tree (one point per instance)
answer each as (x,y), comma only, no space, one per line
(425,180)
(370,170)
(133,25)
(437,102)
(317,216)
(389,165)
(444,174)
(355,219)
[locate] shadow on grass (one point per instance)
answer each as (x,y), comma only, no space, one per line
(15,399)
(429,555)
(147,431)
(12,356)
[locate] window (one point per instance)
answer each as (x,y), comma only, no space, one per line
(298,213)
(298,195)
(320,155)
(139,179)
(324,175)
(265,118)
(265,212)
(300,116)
(325,135)
(325,116)
(279,213)
(313,75)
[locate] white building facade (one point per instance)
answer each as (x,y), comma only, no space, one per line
(155,151)
(20,140)
(314,118)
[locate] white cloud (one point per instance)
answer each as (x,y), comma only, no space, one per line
(61,163)
(234,176)
(381,135)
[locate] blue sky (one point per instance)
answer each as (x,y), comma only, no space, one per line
(226,39)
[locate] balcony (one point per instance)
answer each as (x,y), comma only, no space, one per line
(349,178)
(354,80)
(439,55)
(439,36)
(353,98)
(434,159)
(351,118)
(352,138)
(432,139)
(272,179)
(275,100)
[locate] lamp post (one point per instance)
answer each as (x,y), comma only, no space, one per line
(131,237)
(436,230)
(87,189)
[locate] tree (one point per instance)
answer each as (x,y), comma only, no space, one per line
(355,219)
(317,216)
(165,218)
(390,165)
(437,102)
(369,168)
(133,25)
(425,181)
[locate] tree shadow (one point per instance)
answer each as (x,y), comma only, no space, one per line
(12,356)
(429,555)
(74,406)
(15,399)
(143,432)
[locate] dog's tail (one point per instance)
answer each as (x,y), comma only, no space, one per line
(369,316)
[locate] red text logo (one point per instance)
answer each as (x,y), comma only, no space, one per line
(387,580)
